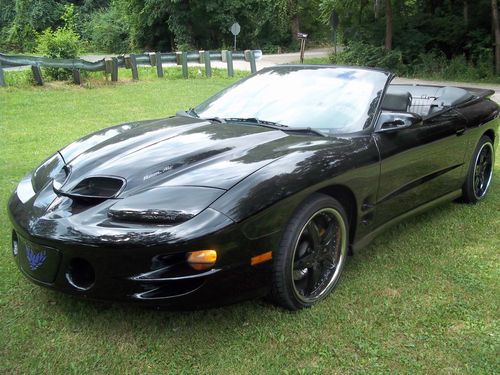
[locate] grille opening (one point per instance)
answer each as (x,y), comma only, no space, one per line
(80,274)
(98,187)
(167,266)
(169,289)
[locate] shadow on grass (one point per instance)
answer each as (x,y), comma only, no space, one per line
(392,246)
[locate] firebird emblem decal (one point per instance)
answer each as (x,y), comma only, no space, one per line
(35,260)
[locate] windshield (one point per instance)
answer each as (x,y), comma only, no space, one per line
(332,99)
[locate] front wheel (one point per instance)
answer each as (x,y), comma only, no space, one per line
(480,172)
(312,253)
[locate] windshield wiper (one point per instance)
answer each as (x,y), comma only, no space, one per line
(192,113)
(306,130)
(189,113)
(274,125)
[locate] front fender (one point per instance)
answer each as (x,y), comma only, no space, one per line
(277,189)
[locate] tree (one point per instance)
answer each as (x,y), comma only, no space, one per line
(294,17)
(388,24)
(496,28)
(466,12)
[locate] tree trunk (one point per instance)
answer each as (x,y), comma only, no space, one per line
(360,12)
(376,9)
(496,28)
(295,26)
(466,12)
(295,20)
(389,25)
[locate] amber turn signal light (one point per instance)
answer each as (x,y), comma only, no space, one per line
(261,258)
(202,259)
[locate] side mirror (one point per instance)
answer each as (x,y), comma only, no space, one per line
(394,121)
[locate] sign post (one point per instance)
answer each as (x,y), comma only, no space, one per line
(235,30)
(302,37)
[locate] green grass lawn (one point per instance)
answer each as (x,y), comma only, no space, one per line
(423,298)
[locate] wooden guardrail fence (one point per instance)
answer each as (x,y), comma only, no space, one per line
(132,61)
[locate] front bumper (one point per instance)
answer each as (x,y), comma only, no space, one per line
(143,264)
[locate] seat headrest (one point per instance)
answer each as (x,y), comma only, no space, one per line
(399,102)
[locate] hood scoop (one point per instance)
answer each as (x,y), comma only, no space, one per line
(96,187)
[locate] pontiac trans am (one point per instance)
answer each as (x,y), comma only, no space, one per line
(263,189)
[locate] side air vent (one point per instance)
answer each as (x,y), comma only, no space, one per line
(98,188)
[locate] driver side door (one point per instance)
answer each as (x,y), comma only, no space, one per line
(419,163)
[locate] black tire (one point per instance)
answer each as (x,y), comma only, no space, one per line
(311,254)
(480,173)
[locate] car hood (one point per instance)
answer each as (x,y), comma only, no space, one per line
(176,151)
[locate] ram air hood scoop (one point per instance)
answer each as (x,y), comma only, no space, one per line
(172,152)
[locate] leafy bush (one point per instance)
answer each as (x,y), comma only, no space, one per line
(435,65)
(429,64)
(362,54)
(485,64)
(108,32)
(62,43)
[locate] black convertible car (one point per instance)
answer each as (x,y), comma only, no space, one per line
(262,189)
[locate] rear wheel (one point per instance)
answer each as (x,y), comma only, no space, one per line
(480,172)
(312,253)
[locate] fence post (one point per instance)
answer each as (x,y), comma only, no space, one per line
(208,64)
(253,66)
(107,66)
(152,58)
(133,65)
(2,80)
(250,57)
(184,60)
(77,77)
(229,60)
(37,74)
(159,66)
(114,69)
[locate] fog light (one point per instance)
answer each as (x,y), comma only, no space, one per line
(15,244)
(80,274)
(202,259)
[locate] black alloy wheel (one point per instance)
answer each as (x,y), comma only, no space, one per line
(312,253)
(480,172)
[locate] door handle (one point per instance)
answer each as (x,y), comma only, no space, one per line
(460,132)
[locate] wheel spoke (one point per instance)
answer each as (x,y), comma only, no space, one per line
(306,261)
(313,231)
(330,234)
(330,258)
(315,274)
(482,158)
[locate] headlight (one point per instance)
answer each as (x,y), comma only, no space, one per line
(36,180)
(165,205)
(46,172)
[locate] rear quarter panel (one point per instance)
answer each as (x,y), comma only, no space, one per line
(482,118)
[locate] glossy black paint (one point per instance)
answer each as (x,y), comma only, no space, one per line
(191,184)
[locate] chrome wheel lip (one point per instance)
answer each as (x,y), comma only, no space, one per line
(486,183)
(341,260)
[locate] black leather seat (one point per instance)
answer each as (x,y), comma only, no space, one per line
(398,102)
